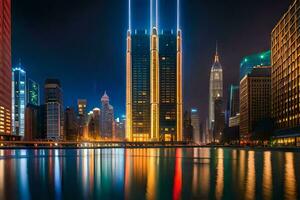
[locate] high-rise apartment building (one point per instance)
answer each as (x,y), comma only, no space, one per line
(285,42)
(154,83)
(215,87)
(54,109)
(5,67)
(82,118)
(255,101)
(19,100)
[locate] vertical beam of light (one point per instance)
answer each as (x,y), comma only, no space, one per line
(178,15)
(129,15)
(151,10)
(156,16)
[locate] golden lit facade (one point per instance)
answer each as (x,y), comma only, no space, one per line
(286,69)
(146,118)
(154,85)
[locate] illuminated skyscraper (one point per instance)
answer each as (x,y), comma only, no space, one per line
(286,76)
(18,100)
(167,76)
(107,117)
(54,109)
(5,67)
(215,87)
(33,92)
(154,82)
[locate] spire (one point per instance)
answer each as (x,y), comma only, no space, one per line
(105,97)
(217,53)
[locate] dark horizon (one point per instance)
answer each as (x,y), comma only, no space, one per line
(83,43)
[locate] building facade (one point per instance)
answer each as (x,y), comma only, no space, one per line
(5,68)
(285,41)
(70,125)
(167,90)
(219,122)
(54,109)
(19,99)
(195,121)
(82,118)
(255,101)
(33,92)
(234,100)
(215,87)
(107,118)
(154,83)
(249,62)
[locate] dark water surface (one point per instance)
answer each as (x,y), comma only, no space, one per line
(199,173)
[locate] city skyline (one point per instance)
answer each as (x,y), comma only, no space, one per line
(198,52)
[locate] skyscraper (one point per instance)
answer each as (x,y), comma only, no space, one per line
(107,117)
(94,121)
(234,100)
(255,101)
(54,109)
(82,118)
(195,121)
(167,78)
(70,125)
(215,87)
(286,75)
(219,122)
(18,100)
(5,67)
(153,83)
(138,87)
(33,92)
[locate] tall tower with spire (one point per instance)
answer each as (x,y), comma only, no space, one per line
(215,87)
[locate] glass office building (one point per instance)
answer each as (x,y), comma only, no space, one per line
(54,109)
(140,81)
(251,61)
(18,100)
(167,80)
(33,93)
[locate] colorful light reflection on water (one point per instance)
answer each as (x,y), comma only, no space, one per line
(199,173)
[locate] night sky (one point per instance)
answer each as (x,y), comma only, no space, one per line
(82,42)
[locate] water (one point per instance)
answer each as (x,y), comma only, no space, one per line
(200,173)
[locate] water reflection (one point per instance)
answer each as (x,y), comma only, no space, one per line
(199,173)
(290,180)
(267,176)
